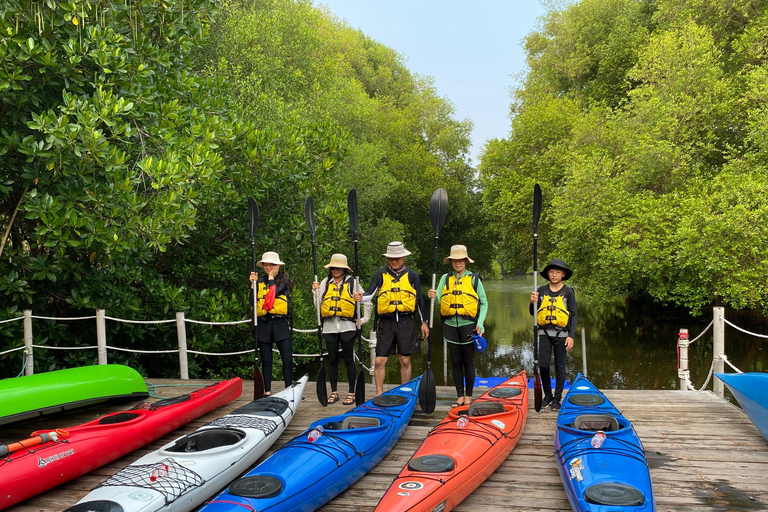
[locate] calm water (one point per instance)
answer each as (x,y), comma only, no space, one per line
(626,347)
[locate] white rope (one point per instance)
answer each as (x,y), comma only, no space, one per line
(744,330)
(67,318)
(218,323)
(702,332)
(142,351)
(222,354)
(725,358)
(12,319)
(12,350)
(139,321)
(64,348)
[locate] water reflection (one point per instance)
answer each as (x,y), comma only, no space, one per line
(627,346)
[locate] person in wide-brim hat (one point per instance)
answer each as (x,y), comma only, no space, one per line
(338,261)
(396,250)
(559,264)
(269,257)
(458,252)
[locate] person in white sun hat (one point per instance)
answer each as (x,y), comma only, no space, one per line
(463,307)
(337,310)
(273,310)
(398,295)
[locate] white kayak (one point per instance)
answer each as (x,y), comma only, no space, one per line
(184,473)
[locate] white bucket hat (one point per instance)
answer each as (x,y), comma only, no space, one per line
(458,252)
(396,250)
(338,261)
(269,257)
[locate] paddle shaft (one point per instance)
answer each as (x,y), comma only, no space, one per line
(258,378)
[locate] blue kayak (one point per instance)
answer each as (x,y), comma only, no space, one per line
(613,477)
(304,475)
(751,391)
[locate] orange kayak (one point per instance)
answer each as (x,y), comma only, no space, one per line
(461,451)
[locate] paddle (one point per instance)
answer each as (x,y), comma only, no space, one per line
(258,378)
(438,207)
(322,392)
(536,376)
(353,223)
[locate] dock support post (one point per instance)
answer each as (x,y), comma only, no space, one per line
(181,336)
(28,339)
(683,372)
(584,351)
(101,336)
(718,349)
(372,350)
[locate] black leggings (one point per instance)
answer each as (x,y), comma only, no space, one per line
(286,354)
(463,365)
(548,346)
(347,340)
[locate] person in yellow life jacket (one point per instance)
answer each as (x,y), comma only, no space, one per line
(556,313)
(463,307)
(397,293)
(273,311)
(334,295)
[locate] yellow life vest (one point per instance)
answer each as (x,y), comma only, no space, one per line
(338,300)
(279,308)
(396,294)
(462,299)
(552,312)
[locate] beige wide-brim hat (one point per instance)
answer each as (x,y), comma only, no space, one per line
(338,261)
(458,252)
(269,257)
(396,250)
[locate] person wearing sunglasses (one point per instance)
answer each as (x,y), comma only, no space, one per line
(463,308)
(337,311)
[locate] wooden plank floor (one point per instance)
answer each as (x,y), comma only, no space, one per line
(704,454)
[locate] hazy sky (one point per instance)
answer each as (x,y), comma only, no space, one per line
(472,48)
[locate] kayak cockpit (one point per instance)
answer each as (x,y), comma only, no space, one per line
(203,440)
(352,422)
(595,422)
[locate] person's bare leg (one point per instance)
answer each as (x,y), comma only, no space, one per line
(405,369)
(378,374)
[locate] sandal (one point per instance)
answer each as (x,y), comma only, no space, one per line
(349,400)
(333,398)
(455,405)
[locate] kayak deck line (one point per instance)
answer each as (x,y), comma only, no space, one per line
(678,430)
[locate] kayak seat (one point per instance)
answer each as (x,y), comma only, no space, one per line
(359,422)
(333,425)
(485,408)
(207,439)
(117,418)
(595,422)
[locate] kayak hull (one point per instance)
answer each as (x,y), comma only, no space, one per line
(302,475)
(613,477)
(185,472)
(751,391)
(47,393)
(454,460)
(83,448)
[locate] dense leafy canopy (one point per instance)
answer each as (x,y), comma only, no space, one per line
(644,122)
(134,132)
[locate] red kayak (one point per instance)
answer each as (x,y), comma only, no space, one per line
(461,451)
(50,458)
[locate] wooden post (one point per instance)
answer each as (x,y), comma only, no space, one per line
(181,335)
(584,351)
(28,339)
(372,350)
(718,348)
(683,373)
(101,336)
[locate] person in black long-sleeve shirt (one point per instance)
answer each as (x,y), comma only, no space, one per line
(556,317)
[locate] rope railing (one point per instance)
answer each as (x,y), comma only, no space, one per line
(183,351)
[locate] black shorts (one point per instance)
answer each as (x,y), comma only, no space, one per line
(396,337)
(459,334)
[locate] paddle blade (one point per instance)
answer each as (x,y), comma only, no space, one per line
(536,388)
(360,387)
(253,216)
(427,391)
(536,206)
(309,216)
(438,207)
(258,382)
(352,210)
(322,392)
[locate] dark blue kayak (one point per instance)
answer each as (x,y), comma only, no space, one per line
(304,475)
(611,478)
(751,390)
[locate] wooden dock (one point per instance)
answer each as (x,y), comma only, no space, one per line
(704,453)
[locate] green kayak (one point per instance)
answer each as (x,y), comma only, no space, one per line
(62,390)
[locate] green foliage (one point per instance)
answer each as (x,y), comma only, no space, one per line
(644,122)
